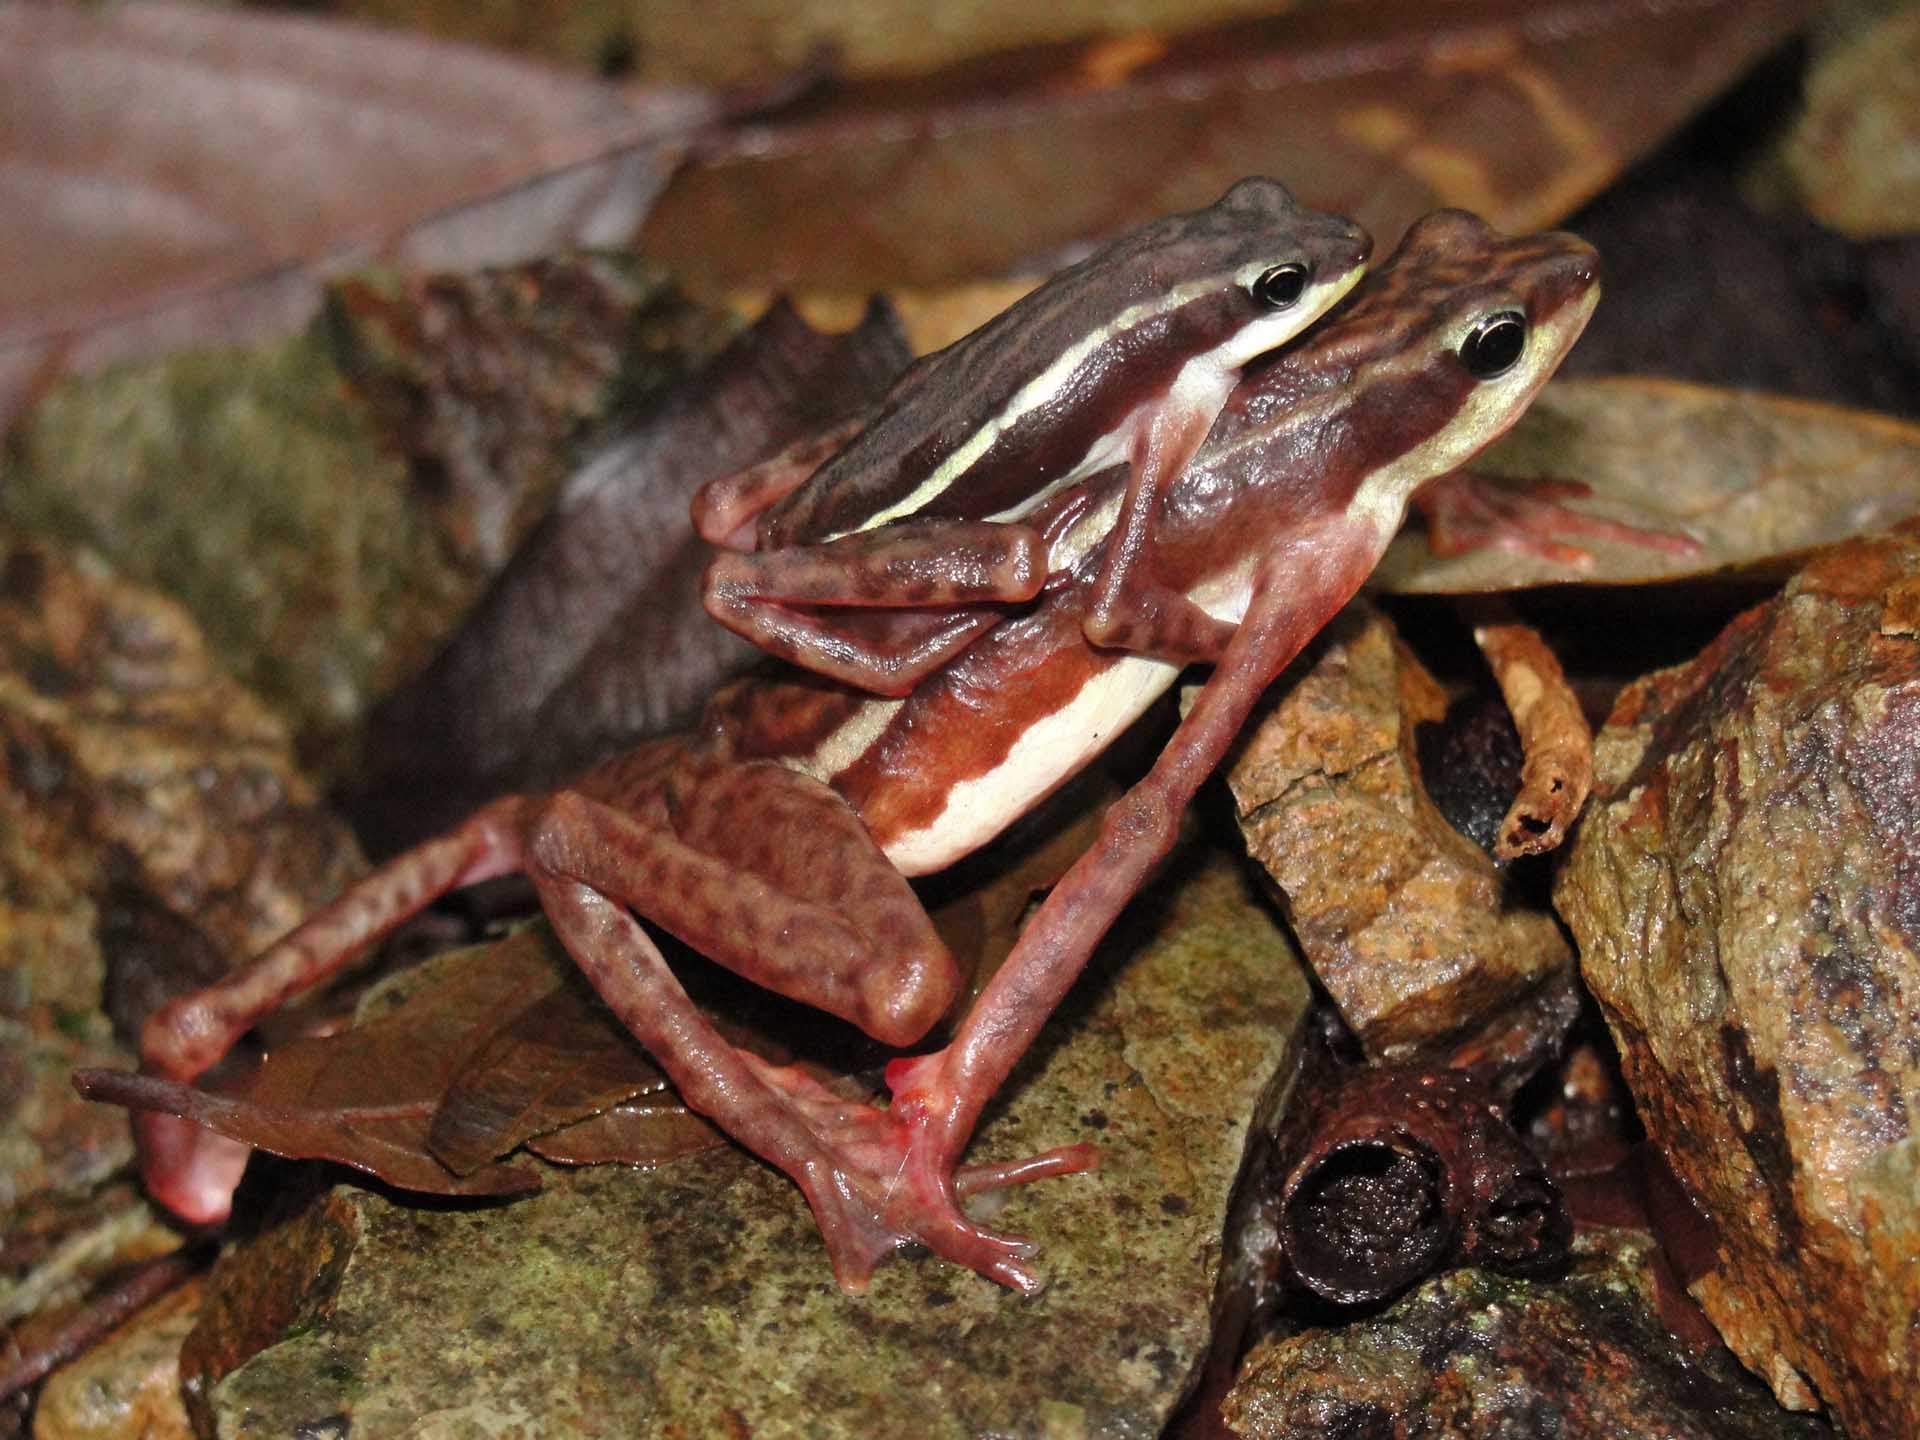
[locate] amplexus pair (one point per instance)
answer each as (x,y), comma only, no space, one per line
(1191,447)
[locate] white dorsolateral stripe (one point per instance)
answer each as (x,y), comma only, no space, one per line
(1381,500)
(1201,377)
(1046,753)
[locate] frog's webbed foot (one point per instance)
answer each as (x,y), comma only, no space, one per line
(871,1187)
(1468,511)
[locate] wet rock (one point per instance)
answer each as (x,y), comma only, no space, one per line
(1746,897)
(696,1298)
(1471,1354)
(139,786)
(259,491)
(128,1388)
(1853,156)
(1414,932)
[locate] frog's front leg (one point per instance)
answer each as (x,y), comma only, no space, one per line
(773,875)
(1467,511)
(1131,609)
(940,1095)
(948,572)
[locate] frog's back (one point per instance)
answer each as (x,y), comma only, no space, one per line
(983,428)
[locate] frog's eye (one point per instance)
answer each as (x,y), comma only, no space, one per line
(1281,286)
(1494,344)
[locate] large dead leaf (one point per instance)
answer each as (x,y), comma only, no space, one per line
(594,634)
(176,173)
(1515,109)
(1756,480)
(367,1097)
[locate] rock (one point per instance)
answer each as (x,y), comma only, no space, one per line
(485,379)
(1416,935)
(1746,896)
(696,1298)
(1853,156)
(128,1387)
(139,786)
(257,489)
(1470,1354)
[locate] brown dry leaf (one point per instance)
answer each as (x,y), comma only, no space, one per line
(367,1097)
(178,173)
(450,1067)
(931,319)
(1517,110)
(560,1058)
(634,1132)
(1754,479)
(765,42)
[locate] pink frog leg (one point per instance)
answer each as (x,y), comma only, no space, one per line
(920,566)
(841,1153)
(1468,511)
(938,1097)
(726,509)
(1131,609)
(193,1171)
(770,874)
(773,875)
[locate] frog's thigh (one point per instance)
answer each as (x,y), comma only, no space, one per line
(771,875)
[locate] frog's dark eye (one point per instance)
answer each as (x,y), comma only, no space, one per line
(1494,344)
(1281,286)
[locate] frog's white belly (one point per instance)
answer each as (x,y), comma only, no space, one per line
(1049,752)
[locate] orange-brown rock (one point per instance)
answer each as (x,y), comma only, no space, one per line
(1746,896)
(1416,934)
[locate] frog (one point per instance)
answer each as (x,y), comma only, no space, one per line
(779,836)
(925,505)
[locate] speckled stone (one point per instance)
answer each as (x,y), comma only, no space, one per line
(1746,895)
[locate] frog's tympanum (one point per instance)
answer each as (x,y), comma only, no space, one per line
(777,837)
(1126,358)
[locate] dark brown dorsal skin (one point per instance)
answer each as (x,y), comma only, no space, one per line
(1375,381)
(941,401)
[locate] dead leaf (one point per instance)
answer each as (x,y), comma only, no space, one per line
(560,1058)
(172,174)
(1755,480)
(594,635)
(1517,110)
(367,1097)
(634,1132)
(383,1138)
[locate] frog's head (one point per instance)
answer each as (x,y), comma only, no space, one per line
(1446,344)
(1254,268)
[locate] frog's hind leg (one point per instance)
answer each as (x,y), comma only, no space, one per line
(773,875)
(192,1170)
